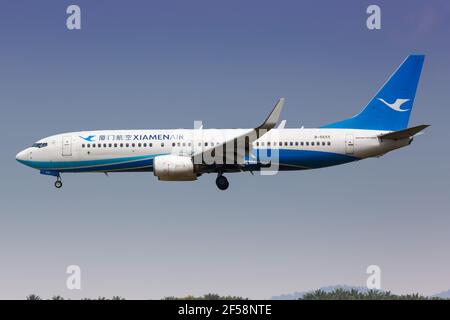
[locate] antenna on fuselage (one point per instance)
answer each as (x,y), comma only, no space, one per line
(282,124)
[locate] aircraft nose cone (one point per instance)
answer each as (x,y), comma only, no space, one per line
(21,156)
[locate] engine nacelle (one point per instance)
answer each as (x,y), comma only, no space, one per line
(174,168)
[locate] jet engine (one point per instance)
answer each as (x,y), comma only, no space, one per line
(174,168)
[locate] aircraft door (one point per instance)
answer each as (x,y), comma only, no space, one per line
(349,144)
(67,146)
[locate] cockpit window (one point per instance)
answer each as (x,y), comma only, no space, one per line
(39,144)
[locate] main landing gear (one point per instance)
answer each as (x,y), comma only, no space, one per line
(222,182)
(58,182)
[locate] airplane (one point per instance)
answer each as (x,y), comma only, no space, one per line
(186,154)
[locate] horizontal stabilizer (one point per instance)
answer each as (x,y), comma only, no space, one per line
(403,134)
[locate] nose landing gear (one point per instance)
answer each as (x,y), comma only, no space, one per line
(58,182)
(53,173)
(222,182)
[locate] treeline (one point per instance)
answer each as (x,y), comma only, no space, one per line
(354,294)
(36,297)
(209,296)
(336,294)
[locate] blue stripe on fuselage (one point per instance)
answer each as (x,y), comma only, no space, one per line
(302,159)
(308,159)
(93,165)
(145,163)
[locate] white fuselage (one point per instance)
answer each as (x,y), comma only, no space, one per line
(135,150)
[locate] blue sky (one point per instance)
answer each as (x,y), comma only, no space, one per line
(163,64)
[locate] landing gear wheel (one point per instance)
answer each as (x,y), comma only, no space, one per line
(222,183)
(58,183)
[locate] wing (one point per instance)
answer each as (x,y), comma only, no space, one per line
(230,155)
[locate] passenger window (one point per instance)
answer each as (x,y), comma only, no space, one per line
(145,144)
(178,144)
(268,143)
(150,144)
(121,145)
(139,145)
(162,144)
(206,144)
(262,144)
(291,143)
(189,144)
(127,145)
(104,145)
(82,145)
(285,143)
(115,145)
(257,144)
(173,144)
(312,143)
(301,143)
(88,145)
(184,144)
(323,143)
(296,143)
(307,143)
(93,145)
(329,143)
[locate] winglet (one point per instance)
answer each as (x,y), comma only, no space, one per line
(402,134)
(273,117)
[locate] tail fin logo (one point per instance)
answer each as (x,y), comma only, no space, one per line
(396,106)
